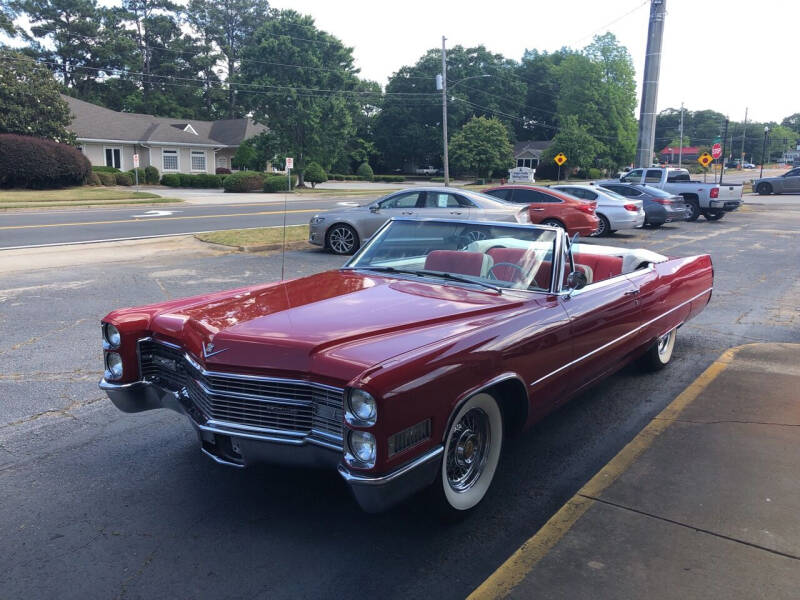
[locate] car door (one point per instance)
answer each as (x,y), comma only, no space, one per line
(791,182)
(542,206)
(402,204)
(444,205)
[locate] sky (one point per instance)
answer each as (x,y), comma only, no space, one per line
(721,55)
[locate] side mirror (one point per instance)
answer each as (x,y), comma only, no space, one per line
(576,280)
(374,208)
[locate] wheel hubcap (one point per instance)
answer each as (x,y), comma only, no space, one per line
(468,450)
(341,240)
(664,345)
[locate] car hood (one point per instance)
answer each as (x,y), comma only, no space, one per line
(335,324)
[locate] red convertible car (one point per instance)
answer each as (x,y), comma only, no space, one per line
(408,367)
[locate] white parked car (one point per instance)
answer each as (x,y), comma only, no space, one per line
(613,210)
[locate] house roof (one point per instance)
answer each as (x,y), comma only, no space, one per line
(532,147)
(676,150)
(93,122)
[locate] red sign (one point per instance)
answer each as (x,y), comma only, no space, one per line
(716,151)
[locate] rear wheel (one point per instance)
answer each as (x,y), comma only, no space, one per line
(660,353)
(603,226)
(342,239)
(553,223)
(764,189)
(693,208)
(471,455)
(713,215)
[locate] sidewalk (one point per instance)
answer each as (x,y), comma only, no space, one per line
(703,503)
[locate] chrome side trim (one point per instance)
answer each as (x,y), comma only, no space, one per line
(622,337)
(355,478)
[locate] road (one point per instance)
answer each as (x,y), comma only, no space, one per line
(100,504)
(42,228)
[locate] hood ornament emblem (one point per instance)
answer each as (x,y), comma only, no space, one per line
(208,350)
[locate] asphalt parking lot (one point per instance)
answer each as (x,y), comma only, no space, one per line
(98,504)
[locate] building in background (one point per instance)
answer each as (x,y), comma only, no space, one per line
(670,154)
(529,154)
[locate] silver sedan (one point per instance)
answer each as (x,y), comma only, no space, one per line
(342,231)
(788,183)
(614,211)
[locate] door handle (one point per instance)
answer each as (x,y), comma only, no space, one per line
(455,212)
(632,293)
(538,209)
(407,213)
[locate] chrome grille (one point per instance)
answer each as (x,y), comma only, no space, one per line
(297,408)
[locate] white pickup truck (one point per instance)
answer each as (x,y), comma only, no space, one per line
(711,200)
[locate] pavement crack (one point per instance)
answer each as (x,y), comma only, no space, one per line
(728,421)
(691,527)
(57,412)
(36,338)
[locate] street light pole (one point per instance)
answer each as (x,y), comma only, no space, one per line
(680,150)
(445,158)
(763,151)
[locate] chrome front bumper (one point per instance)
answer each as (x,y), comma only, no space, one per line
(235,447)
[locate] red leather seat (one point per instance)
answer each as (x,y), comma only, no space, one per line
(510,256)
(603,267)
(454,261)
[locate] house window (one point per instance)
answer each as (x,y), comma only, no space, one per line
(169,160)
(114,157)
(198,160)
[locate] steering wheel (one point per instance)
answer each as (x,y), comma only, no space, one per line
(491,274)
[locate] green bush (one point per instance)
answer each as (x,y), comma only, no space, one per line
(365,171)
(437,179)
(278,183)
(93,179)
(244,181)
(315,174)
(101,169)
(141,173)
(171,180)
(107,178)
(38,163)
(389,178)
(185,179)
(595,173)
(123,179)
(151,175)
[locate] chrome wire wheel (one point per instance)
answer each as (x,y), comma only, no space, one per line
(603,227)
(468,449)
(342,239)
(471,452)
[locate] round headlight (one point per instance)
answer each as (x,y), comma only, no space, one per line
(362,445)
(362,407)
(113,366)
(111,335)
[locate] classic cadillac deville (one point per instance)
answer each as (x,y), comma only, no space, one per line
(408,367)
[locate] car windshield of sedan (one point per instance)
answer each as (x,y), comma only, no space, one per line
(491,255)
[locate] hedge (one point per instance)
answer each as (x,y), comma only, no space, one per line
(278,183)
(100,169)
(389,178)
(141,173)
(93,179)
(123,179)
(244,181)
(107,178)
(38,163)
(197,180)
(151,175)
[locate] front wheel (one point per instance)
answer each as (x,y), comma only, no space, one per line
(471,455)
(342,239)
(660,353)
(764,189)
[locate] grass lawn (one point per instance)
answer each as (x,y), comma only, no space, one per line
(77,196)
(261,236)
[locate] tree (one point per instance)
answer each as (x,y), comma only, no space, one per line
(576,143)
(30,100)
(315,174)
(7,16)
(482,145)
(309,110)
(792,122)
(200,15)
(539,72)
(253,154)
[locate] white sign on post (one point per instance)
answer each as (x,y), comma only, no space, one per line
(135,161)
(289,163)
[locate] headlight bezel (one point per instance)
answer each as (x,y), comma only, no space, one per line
(316,220)
(110,333)
(357,399)
(357,438)
(111,371)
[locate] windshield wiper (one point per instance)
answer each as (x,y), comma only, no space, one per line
(424,273)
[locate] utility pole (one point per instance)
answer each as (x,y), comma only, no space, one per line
(445,159)
(724,141)
(652,67)
(744,129)
(680,150)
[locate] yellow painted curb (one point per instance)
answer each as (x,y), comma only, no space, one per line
(513,571)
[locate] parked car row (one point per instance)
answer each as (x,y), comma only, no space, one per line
(637,199)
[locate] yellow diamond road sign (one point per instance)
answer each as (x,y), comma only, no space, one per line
(705,159)
(560,159)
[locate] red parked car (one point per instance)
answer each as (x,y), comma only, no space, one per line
(551,207)
(406,368)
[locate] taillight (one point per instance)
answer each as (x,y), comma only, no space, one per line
(714,192)
(662,200)
(587,207)
(632,207)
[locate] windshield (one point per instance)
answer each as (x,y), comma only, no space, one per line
(493,256)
